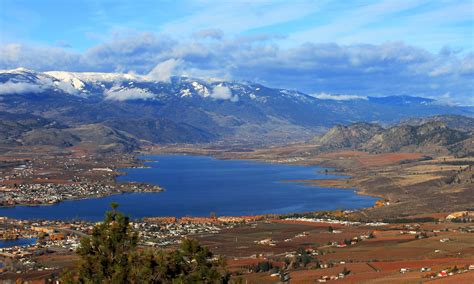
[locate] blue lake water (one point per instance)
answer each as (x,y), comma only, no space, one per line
(199,185)
(17,242)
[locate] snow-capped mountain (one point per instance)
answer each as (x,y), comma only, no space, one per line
(121,87)
(209,109)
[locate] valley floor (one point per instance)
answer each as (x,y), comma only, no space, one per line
(391,253)
(426,205)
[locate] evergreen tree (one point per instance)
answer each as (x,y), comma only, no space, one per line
(106,254)
(111,255)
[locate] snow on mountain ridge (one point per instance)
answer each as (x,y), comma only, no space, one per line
(107,86)
(23,80)
(200,89)
(94,76)
(124,94)
(127,86)
(16,70)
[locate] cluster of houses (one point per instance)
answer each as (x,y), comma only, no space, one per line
(39,238)
(50,193)
(334,221)
(442,273)
(451,271)
(352,241)
(20,171)
(164,234)
(461,216)
(267,242)
(164,231)
(326,278)
(21,258)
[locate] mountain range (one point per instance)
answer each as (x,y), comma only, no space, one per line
(441,134)
(67,108)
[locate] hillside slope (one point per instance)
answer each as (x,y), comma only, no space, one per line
(440,134)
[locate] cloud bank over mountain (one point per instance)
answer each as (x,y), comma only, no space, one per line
(120,94)
(19,88)
(325,96)
(391,68)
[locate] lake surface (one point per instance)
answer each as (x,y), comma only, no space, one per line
(199,185)
(17,242)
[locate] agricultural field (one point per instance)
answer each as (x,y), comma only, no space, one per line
(391,248)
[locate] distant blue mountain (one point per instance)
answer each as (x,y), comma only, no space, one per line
(401,100)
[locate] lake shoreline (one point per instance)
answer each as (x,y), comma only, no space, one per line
(333,183)
(234,207)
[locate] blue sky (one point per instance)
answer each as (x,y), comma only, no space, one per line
(80,24)
(416,47)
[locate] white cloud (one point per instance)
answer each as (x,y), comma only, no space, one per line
(325,96)
(220,92)
(120,94)
(163,71)
(14,55)
(391,68)
(12,88)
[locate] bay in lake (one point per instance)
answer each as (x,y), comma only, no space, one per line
(17,242)
(199,185)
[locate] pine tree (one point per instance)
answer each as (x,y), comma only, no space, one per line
(111,255)
(106,254)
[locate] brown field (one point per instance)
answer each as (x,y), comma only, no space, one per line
(377,260)
(372,160)
(415,179)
